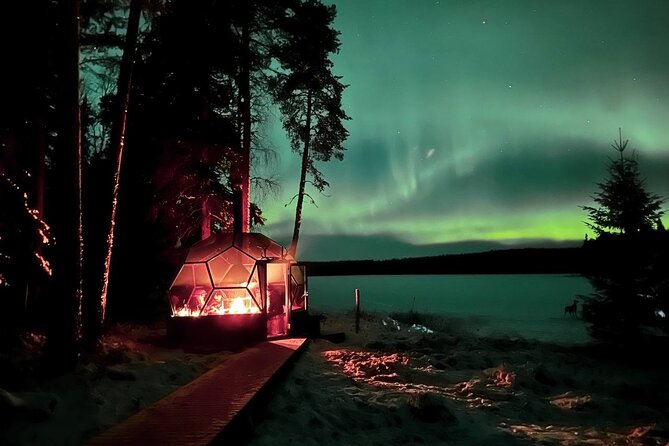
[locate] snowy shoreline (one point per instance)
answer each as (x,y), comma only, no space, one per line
(404,379)
(454,386)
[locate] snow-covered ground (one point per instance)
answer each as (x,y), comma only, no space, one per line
(134,371)
(403,380)
(386,386)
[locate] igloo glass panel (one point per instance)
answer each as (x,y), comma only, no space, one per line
(231,268)
(261,247)
(231,301)
(254,288)
(273,250)
(219,268)
(297,288)
(190,289)
(248,243)
(209,247)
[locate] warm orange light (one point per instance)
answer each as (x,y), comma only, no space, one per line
(237,306)
(183,311)
(221,305)
(243,305)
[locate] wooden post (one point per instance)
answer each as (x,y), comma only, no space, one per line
(357,310)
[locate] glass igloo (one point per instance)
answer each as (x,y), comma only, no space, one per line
(230,276)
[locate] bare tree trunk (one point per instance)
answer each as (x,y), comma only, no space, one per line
(117,144)
(244,162)
(64,335)
(292,250)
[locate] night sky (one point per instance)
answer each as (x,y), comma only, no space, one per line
(482,120)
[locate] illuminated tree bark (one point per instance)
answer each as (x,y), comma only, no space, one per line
(255,25)
(117,144)
(242,186)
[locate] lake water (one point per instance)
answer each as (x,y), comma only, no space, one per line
(530,306)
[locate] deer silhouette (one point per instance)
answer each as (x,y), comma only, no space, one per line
(571,309)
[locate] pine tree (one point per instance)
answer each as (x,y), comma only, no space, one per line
(310,95)
(254,25)
(625,206)
(629,255)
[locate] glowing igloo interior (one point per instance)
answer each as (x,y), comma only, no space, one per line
(239,274)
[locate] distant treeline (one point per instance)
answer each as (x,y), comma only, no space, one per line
(584,260)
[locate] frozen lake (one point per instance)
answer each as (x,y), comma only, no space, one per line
(528,305)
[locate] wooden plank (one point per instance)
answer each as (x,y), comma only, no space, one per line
(198,412)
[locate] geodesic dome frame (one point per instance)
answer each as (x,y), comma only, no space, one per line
(221,276)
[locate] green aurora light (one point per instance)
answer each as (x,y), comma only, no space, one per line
(485,120)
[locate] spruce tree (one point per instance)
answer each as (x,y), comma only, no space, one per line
(629,257)
(625,206)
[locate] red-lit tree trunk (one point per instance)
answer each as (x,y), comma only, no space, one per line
(64,333)
(242,186)
(117,145)
(292,250)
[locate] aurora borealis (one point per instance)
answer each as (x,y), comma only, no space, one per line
(485,120)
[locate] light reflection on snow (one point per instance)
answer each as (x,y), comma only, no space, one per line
(397,372)
(573,435)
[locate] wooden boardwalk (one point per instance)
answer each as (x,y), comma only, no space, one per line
(199,412)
